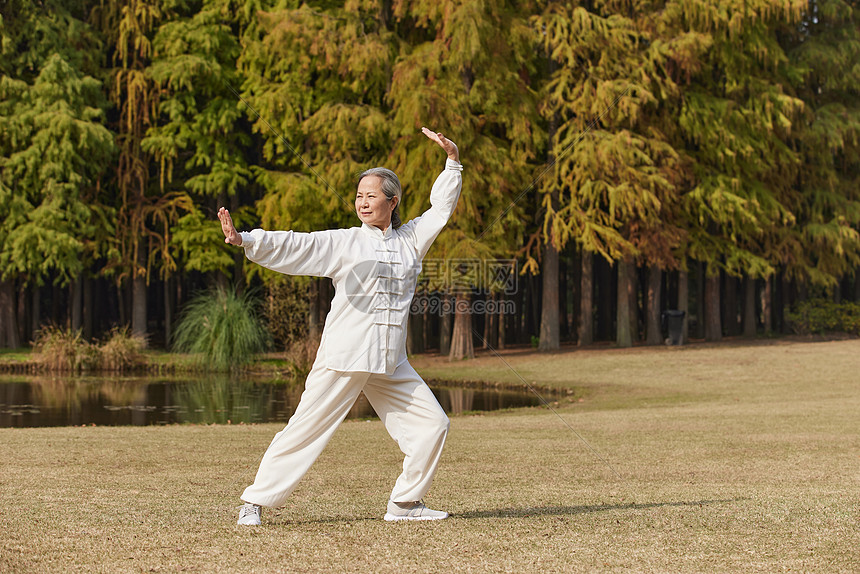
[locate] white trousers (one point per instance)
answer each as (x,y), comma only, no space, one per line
(404,402)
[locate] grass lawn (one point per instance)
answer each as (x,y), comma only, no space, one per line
(732,458)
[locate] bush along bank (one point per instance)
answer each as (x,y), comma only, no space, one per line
(824,317)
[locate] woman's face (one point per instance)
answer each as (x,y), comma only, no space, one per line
(371,205)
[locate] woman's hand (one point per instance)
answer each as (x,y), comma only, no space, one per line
(230,234)
(446,144)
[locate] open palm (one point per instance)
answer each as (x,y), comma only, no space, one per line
(446,144)
(231,236)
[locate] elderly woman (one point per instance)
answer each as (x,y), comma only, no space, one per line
(363,348)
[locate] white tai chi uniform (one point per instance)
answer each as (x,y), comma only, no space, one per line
(363,346)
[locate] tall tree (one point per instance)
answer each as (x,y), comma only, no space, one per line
(617,172)
(200,137)
(824,244)
(144,213)
(350,86)
(54,149)
(316,78)
(734,120)
(460,76)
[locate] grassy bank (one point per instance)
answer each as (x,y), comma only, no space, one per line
(731,459)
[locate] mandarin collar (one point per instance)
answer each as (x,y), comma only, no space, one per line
(378,233)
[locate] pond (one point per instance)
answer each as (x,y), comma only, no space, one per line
(45,401)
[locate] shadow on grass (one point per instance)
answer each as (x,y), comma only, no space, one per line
(527,512)
(585,509)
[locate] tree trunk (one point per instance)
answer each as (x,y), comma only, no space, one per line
(36,311)
(445,326)
(23,304)
(427,325)
(684,302)
(9,315)
(700,299)
(168,311)
(415,334)
(88,308)
(585,328)
(461,339)
(653,329)
(634,301)
(623,336)
(535,291)
(56,295)
(785,300)
(729,305)
(138,302)
(121,293)
(713,328)
(606,280)
(549,315)
(491,324)
(502,319)
(485,338)
(749,308)
(857,285)
(76,296)
(518,318)
(563,317)
(767,305)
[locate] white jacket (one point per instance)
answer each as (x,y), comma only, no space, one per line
(374,275)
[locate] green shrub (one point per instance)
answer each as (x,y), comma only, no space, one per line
(820,316)
(223,328)
(286,311)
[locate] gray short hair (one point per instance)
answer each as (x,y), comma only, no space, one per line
(390,187)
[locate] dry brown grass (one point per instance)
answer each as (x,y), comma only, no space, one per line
(732,459)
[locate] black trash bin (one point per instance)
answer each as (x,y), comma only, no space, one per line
(675,322)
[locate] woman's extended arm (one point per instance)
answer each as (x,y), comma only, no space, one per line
(317,253)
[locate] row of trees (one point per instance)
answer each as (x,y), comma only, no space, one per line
(629,156)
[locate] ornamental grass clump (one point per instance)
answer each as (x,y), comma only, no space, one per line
(222,328)
(122,351)
(64,350)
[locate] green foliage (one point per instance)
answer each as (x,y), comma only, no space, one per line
(222,328)
(286,310)
(821,316)
(199,245)
(473,84)
(725,132)
(616,174)
(54,148)
(824,244)
(317,78)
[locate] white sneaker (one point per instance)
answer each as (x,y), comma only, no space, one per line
(249,514)
(412,511)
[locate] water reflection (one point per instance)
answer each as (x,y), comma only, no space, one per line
(39,401)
